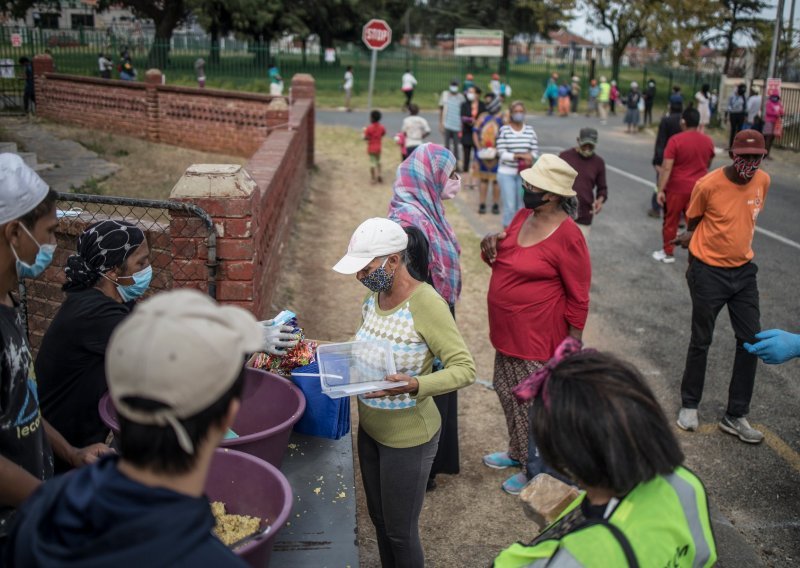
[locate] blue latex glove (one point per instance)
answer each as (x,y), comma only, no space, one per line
(776,346)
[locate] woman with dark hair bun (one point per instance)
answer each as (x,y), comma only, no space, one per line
(110,269)
(595,420)
(424,181)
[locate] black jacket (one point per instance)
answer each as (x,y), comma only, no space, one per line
(670,126)
(466,121)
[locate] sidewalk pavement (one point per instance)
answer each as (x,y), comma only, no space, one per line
(73,164)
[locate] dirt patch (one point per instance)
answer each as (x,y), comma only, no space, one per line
(148,171)
(468,519)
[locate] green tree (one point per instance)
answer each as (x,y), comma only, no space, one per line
(737,19)
(513,17)
(166,15)
(679,33)
(330,20)
(217,18)
(628,22)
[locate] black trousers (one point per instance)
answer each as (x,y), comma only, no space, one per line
(737,120)
(447,458)
(28,99)
(713,288)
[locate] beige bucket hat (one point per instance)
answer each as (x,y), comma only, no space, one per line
(552,174)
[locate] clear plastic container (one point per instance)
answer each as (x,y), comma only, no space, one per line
(356,367)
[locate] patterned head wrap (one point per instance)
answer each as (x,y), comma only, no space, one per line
(417,202)
(101,247)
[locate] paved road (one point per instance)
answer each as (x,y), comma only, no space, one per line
(641,310)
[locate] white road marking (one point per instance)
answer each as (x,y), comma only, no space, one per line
(651,183)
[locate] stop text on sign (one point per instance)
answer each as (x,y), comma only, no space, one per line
(377,34)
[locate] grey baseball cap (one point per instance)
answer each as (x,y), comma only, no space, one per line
(587,136)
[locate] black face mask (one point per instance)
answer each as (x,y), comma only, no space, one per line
(533,200)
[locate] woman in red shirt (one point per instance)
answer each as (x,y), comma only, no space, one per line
(538,295)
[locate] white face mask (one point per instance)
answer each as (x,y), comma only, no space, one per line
(470,96)
(453,88)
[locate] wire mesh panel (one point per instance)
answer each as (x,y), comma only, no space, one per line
(180,237)
(12,87)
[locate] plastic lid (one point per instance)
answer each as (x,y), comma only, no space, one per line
(355,367)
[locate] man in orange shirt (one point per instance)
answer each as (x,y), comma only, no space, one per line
(721,222)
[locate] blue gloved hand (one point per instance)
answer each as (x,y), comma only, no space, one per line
(776,346)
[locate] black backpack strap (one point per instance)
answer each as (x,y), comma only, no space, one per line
(620,537)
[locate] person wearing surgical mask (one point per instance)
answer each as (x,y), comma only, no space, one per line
(471,109)
(109,271)
(424,182)
(538,295)
(721,221)
(399,429)
(590,184)
(450,116)
(27,244)
(773,121)
(517,148)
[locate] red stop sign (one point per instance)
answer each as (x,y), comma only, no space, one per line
(377,34)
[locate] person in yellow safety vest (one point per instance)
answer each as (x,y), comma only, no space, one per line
(596,421)
(604,99)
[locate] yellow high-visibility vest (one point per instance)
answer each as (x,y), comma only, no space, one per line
(662,522)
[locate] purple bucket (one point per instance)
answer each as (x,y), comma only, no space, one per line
(270,407)
(250,486)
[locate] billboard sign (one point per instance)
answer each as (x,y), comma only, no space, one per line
(479,43)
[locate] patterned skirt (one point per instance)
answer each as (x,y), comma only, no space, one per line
(508,373)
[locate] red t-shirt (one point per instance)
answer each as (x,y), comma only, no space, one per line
(537,292)
(692,152)
(373,134)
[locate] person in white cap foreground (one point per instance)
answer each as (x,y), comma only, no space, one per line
(27,243)
(399,429)
(175,370)
(538,295)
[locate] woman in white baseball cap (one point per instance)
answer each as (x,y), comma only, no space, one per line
(399,429)
(538,294)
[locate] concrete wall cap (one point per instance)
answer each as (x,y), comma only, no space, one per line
(214,180)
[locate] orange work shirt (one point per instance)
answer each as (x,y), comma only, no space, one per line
(725,235)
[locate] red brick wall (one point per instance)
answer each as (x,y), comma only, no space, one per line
(116,106)
(250,231)
(211,120)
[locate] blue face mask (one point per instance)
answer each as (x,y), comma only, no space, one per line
(43,259)
(141,282)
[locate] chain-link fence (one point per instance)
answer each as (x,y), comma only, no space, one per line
(12,87)
(242,65)
(181,238)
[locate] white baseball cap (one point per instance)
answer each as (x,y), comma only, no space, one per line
(21,189)
(374,237)
(182,349)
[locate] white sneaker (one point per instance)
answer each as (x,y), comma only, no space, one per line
(687,419)
(661,256)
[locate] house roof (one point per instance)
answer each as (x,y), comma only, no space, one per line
(565,37)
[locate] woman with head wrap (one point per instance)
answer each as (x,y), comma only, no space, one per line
(484,138)
(110,269)
(424,180)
